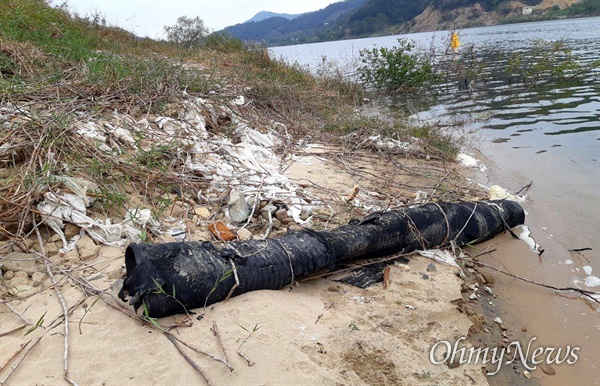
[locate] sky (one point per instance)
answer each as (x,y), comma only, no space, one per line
(148,17)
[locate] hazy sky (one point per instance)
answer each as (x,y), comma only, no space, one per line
(148,17)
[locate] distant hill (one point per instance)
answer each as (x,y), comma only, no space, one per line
(324,24)
(363,18)
(264,15)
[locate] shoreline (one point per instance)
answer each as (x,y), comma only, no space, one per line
(318,332)
(568,319)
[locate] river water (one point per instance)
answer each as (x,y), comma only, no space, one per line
(548,133)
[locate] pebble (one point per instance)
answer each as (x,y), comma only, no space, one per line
(221,231)
(486,330)
(87,248)
(20,278)
(473,296)
(431,268)
(9,275)
(239,210)
(202,212)
(454,364)
(425,276)
(38,278)
(281,214)
(244,234)
(527,374)
(488,277)
(547,369)
(498,320)
(71,230)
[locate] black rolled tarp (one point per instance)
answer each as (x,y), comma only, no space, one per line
(202,273)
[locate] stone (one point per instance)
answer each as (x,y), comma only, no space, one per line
(72,255)
(473,296)
(280,214)
(87,248)
(304,215)
(295,228)
(202,212)
(221,231)
(288,221)
(38,278)
(71,230)
(425,276)
(547,369)
(453,364)
(527,374)
(20,278)
(264,212)
(498,320)
(9,275)
(489,279)
(238,209)
(431,268)
(244,234)
(19,261)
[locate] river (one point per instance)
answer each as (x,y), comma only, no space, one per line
(548,133)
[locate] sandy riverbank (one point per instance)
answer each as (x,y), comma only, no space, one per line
(319,332)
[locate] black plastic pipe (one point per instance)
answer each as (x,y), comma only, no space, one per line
(169,278)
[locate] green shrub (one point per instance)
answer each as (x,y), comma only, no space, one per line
(397,68)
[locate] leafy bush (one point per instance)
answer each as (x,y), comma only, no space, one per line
(187,31)
(397,68)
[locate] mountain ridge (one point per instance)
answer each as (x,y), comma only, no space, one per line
(363,18)
(264,15)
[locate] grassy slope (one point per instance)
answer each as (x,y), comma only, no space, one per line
(56,69)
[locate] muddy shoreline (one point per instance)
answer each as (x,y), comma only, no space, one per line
(551,318)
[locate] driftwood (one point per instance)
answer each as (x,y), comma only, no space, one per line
(174,277)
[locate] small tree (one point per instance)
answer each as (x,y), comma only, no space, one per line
(187,31)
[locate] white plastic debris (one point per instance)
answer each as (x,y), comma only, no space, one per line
(71,208)
(239,101)
(441,256)
(470,162)
(499,193)
(525,235)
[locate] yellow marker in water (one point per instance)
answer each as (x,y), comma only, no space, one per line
(454,42)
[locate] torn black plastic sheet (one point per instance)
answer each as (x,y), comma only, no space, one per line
(202,273)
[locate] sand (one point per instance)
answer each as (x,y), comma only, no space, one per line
(316,332)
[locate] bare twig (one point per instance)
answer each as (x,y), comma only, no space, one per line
(63,305)
(14,356)
(213,357)
(187,358)
(13,330)
(588,294)
(19,314)
(237,280)
(215,331)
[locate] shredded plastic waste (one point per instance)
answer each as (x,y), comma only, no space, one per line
(470,162)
